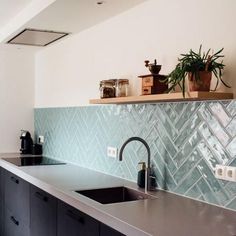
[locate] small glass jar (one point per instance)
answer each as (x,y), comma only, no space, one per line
(107,88)
(121,86)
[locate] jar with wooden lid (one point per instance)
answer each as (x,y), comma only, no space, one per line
(107,88)
(121,86)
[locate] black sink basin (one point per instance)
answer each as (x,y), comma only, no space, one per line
(114,195)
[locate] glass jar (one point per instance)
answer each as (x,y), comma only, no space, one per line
(121,86)
(107,88)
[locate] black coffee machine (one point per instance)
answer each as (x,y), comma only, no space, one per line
(26,142)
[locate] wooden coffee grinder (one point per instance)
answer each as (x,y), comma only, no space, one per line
(151,83)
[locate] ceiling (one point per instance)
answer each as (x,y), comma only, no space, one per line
(10,8)
(70,16)
(77,15)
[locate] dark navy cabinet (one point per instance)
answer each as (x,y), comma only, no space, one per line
(14,225)
(43,213)
(1,201)
(26,210)
(16,205)
(74,222)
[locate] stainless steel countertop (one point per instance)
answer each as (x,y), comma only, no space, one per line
(167,215)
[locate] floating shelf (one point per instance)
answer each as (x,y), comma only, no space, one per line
(170,97)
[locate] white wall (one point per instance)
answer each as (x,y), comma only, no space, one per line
(16,97)
(68,73)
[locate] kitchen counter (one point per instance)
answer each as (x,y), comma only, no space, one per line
(166,215)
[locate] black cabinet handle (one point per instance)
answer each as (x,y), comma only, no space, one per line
(14,220)
(73,216)
(41,196)
(15,180)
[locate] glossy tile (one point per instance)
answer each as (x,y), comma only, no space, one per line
(187,140)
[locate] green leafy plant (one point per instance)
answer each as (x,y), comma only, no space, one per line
(194,63)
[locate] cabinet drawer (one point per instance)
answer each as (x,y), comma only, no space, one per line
(146,90)
(147,81)
(16,192)
(43,215)
(14,226)
(75,223)
(1,222)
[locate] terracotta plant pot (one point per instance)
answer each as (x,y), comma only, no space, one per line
(202,84)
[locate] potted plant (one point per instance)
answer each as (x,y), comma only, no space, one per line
(198,68)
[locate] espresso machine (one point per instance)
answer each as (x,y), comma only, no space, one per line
(26,142)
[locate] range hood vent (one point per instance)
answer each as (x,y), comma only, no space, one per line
(35,37)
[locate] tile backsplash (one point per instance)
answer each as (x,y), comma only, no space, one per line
(187,140)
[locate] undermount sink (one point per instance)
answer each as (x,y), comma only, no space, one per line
(114,195)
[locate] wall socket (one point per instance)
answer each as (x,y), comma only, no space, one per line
(225,172)
(41,139)
(112,152)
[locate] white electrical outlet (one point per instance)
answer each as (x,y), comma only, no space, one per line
(41,139)
(225,172)
(230,173)
(220,171)
(112,152)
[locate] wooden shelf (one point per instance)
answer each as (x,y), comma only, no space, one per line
(170,97)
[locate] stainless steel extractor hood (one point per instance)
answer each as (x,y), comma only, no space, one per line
(35,37)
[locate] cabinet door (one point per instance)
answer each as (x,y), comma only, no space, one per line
(75,223)
(1,202)
(1,183)
(108,231)
(16,196)
(43,214)
(14,226)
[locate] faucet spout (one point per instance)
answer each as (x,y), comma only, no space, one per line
(148,169)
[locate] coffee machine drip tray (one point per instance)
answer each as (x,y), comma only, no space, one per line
(32,161)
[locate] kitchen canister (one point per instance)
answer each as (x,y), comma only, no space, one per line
(107,88)
(121,86)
